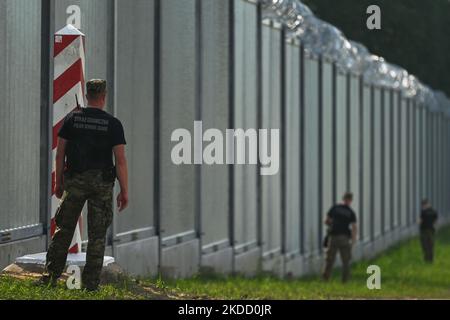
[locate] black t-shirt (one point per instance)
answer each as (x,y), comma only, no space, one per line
(429,217)
(91,134)
(341,217)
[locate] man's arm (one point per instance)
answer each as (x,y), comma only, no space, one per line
(122,175)
(354,232)
(59,167)
(328,220)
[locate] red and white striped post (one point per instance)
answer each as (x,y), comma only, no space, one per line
(68,85)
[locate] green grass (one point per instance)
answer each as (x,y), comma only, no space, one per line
(404,276)
(12,288)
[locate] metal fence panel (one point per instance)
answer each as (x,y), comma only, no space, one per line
(327,139)
(431,168)
(417,155)
(341,136)
(428,148)
(438,156)
(20,84)
(422,154)
(433,159)
(311,152)
(447,160)
(444,164)
(397,161)
(425,154)
(377,158)
(404,161)
(367,156)
(215,114)
(441,164)
(425,150)
(413,204)
(271,119)
(293,137)
(388,163)
(177,110)
(355,143)
(245,116)
(134,106)
(436,160)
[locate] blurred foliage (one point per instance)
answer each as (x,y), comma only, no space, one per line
(415,34)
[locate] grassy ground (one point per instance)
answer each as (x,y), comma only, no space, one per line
(404,276)
(15,287)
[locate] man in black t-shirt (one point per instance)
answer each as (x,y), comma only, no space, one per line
(428,219)
(341,220)
(85,171)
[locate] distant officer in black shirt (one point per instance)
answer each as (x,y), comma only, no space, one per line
(341,220)
(428,219)
(85,171)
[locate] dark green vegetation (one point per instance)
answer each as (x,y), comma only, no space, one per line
(415,33)
(404,276)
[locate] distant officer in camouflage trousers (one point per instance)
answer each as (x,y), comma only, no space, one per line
(85,172)
(428,219)
(341,221)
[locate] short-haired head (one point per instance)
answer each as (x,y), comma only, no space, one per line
(347,197)
(95,89)
(426,203)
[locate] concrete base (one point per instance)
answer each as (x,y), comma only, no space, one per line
(248,263)
(396,235)
(378,245)
(139,258)
(368,251)
(273,266)
(218,262)
(294,267)
(388,240)
(404,233)
(78,259)
(312,264)
(10,251)
(414,231)
(358,251)
(181,260)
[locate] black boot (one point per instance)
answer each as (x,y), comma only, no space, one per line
(46,281)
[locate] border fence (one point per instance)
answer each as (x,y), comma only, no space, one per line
(349,121)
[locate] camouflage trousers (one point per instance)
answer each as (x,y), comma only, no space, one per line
(97,190)
(427,242)
(341,244)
